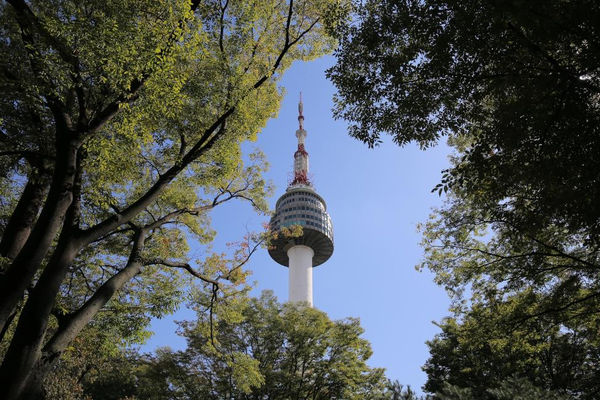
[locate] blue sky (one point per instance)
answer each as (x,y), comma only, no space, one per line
(376,198)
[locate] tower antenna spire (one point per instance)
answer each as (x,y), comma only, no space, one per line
(300,116)
(301,155)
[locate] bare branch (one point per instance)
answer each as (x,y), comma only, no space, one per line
(213,300)
(182,146)
(222,28)
(115,232)
(151,163)
(109,111)
(246,259)
(558,254)
(181,265)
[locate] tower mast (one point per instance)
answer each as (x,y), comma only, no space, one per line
(301,155)
(301,205)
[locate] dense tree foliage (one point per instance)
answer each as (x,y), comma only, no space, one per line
(537,294)
(120,129)
(267,351)
(396,391)
(489,346)
(509,389)
(514,86)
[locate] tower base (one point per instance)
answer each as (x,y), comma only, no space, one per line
(300,266)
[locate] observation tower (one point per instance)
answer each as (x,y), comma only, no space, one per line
(301,205)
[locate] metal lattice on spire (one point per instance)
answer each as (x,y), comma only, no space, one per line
(300,116)
(301,155)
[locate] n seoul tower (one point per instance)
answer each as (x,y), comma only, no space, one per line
(301,205)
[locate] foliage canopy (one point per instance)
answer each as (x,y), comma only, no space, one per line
(267,351)
(121,124)
(515,87)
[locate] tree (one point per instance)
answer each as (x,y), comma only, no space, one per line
(489,347)
(269,351)
(514,86)
(113,114)
(97,348)
(516,81)
(510,389)
(396,391)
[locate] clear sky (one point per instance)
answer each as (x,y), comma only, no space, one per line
(376,198)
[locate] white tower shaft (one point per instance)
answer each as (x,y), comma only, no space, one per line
(300,266)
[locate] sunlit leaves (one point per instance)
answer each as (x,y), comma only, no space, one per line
(274,351)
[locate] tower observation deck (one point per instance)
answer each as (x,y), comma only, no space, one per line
(301,205)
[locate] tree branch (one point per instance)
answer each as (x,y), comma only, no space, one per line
(558,309)
(80,318)
(205,143)
(245,260)
(182,265)
(559,254)
(28,21)
(135,86)
(33,157)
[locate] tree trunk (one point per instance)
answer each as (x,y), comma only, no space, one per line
(78,321)
(7,325)
(24,215)
(22,270)
(24,355)
(80,318)
(24,352)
